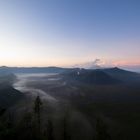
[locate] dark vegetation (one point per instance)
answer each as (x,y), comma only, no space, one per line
(101,104)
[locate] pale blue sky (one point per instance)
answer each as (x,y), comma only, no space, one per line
(68,32)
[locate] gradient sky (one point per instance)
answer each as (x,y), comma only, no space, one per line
(69,32)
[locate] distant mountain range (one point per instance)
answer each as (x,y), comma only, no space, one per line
(102,76)
(123,75)
(90,76)
(4,69)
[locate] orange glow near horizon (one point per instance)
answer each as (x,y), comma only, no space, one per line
(27,62)
(126,63)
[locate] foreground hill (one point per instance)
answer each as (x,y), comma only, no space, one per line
(8,95)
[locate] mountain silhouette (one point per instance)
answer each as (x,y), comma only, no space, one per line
(90,77)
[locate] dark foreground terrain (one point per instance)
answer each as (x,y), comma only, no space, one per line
(70,104)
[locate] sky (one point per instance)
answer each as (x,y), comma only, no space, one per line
(69,32)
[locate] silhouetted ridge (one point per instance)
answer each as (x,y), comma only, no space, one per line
(90,77)
(124,75)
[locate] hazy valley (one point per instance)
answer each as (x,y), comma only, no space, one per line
(75,102)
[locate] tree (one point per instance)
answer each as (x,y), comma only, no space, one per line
(101,131)
(66,131)
(50,130)
(37,109)
(2,111)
